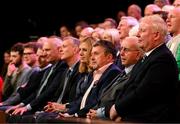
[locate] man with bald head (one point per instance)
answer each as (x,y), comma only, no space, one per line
(130,53)
(134,11)
(150,9)
(150,93)
(86,32)
(49,82)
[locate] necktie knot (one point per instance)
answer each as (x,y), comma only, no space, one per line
(143,59)
(68,73)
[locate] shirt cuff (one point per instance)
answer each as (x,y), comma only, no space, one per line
(101,112)
(76,115)
(28,107)
(21,104)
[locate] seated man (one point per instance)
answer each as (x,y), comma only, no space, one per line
(17,74)
(49,82)
(102,57)
(144,98)
(130,53)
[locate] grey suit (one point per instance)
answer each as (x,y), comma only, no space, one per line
(110,93)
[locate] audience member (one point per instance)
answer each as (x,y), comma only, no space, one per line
(161,3)
(134,11)
(86,32)
(130,54)
(150,9)
(6,63)
(17,73)
(176,3)
(173,27)
(145,97)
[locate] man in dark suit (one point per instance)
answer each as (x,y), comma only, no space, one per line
(36,77)
(70,54)
(130,53)
(103,54)
(102,57)
(149,95)
(50,80)
(66,91)
(34,81)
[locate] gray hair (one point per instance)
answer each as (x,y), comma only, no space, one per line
(157,23)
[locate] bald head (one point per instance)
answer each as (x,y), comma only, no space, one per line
(55,41)
(86,32)
(134,11)
(150,9)
(41,40)
(51,49)
(132,41)
(130,51)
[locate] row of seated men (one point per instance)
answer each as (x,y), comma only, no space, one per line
(81,79)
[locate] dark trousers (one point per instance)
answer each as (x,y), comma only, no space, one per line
(5,107)
(45,117)
(27,117)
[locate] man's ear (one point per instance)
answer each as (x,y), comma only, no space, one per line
(139,55)
(109,57)
(157,35)
(76,49)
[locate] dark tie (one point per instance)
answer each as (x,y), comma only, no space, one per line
(45,80)
(144,58)
(122,75)
(68,74)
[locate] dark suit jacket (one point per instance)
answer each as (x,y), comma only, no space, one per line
(110,73)
(32,84)
(49,90)
(70,90)
(110,93)
(118,61)
(149,95)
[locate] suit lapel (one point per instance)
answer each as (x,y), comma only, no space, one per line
(114,83)
(140,67)
(71,80)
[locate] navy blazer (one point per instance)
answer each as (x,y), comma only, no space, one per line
(149,95)
(110,73)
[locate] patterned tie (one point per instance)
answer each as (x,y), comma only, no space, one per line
(123,74)
(116,80)
(144,58)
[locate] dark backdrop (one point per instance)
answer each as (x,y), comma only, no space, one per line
(19,21)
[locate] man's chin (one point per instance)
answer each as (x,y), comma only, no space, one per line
(94,67)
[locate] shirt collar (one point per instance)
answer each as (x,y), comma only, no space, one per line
(73,66)
(128,69)
(41,69)
(149,52)
(102,69)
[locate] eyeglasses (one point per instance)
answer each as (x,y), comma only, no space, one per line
(127,49)
(28,53)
